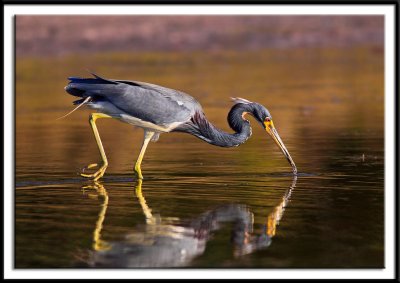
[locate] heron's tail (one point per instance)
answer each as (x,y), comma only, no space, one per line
(80,86)
(89,89)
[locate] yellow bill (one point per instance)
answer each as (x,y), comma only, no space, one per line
(269,127)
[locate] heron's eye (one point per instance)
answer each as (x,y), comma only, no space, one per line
(268,119)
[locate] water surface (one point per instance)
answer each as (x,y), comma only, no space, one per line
(202,206)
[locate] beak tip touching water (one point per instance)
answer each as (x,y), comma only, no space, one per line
(291,162)
(269,127)
(294,168)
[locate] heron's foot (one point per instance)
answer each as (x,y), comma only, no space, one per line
(96,175)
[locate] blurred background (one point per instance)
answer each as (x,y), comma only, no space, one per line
(321,77)
(62,35)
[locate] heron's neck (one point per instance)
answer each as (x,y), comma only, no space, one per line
(203,129)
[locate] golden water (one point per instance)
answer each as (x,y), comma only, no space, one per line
(327,106)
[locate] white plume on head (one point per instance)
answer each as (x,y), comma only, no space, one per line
(237,100)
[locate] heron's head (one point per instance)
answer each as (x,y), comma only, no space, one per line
(262,115)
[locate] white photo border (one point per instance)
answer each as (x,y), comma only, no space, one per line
(387,10)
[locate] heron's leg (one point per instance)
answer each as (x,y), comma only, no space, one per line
(99,173)
(147,137)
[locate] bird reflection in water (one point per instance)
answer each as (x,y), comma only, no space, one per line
(164,243)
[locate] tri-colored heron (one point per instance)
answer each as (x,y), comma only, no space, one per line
(158,110)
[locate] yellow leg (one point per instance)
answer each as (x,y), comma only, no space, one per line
(98,243)
(147,137)
(146,210)
(99,173)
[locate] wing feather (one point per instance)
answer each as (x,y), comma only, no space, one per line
(148,102)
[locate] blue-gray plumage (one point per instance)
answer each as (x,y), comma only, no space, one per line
(158,110)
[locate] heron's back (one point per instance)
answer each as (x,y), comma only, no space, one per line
(150,103)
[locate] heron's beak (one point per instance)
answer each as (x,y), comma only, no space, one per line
(269,127)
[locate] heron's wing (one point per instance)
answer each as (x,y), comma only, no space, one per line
(148,102)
